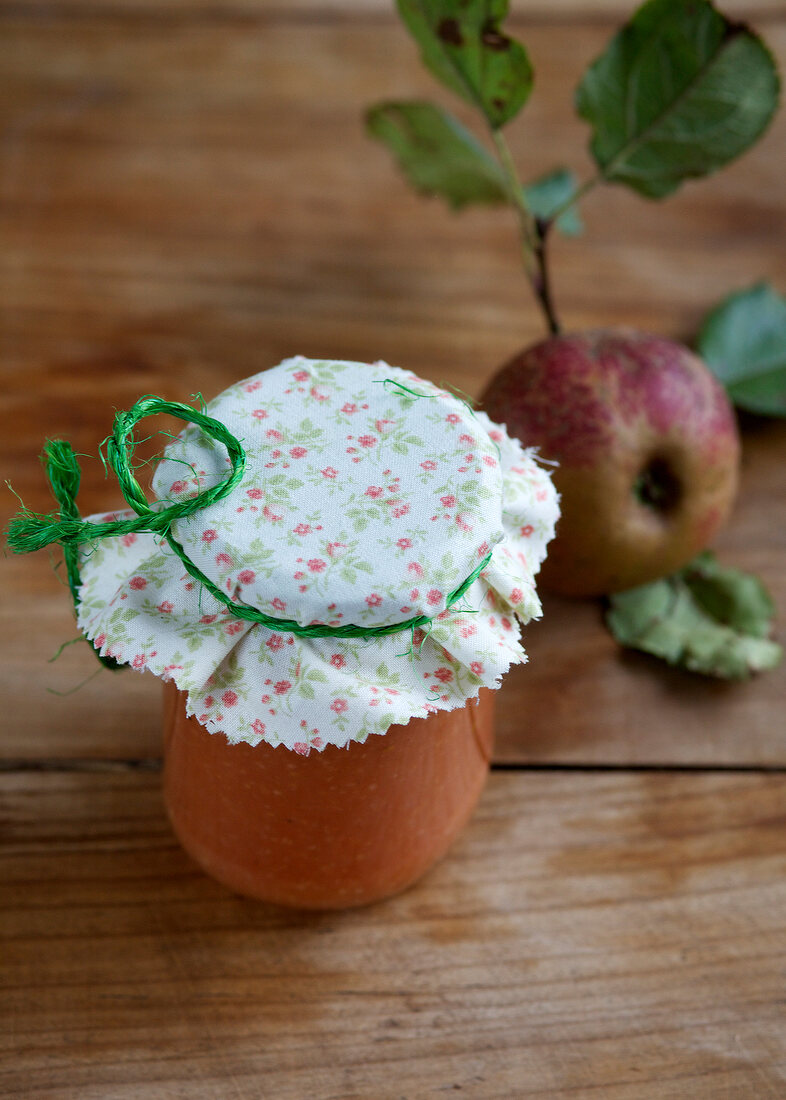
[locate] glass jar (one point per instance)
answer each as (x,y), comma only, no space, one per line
(331,829)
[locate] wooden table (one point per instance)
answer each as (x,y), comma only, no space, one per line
(188,197)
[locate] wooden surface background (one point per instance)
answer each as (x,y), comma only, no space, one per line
(187,197)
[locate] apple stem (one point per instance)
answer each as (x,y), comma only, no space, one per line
(541,283)
(533,234)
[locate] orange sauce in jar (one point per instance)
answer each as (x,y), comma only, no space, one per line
(336,828)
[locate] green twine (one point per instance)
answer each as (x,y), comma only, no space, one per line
(29,531)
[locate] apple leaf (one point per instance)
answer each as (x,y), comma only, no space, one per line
(706,618)
(743,340)
(463,46)
(437,154)
(679,92)
(547,193)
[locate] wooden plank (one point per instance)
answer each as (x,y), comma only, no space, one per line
(184,204)
(590,935)
(245,11)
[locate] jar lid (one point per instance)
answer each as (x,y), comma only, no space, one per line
(385,535)
(368,494)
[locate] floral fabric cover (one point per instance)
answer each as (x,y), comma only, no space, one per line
(369,496)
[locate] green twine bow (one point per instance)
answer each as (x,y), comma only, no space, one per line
(29,531)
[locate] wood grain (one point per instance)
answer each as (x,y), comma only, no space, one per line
(186,197)
(187,201)
(590,935)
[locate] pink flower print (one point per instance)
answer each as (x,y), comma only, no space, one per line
(128,540)
(316,565)
(209,700)
(165,607)
(339,705)
(516,595)
(279,604)
(302,529)
(447,501)
(100,640)
(416,568)
(329,473)
(317,395)
(316,742)
(208,619)
(527,530)
(428,464)
(229,699)
(477,668)
(468,630)
(299,575)
(453,418)
(275,642)
(138,583)
(301,376)
(466,438)
(273,433)
(374,600)
(334,549)
(282,687)
(246,576)
(178,486)
(483,549)
(540,495)
(374,491)
(337,660)
(258,727)
(260,414)
(367,440)
(382,425)
(233,628)
(433,596)
(444,675)
(496,435)
(301,748)
(489,460)
(404,544)
(298,452)
(254,494)
(270,515)
(209,535)
(399,510)
(223,559)
(265,698)
(506,623)
(138,661)
(414,593)
(275,454)
(349,408)
(251,386)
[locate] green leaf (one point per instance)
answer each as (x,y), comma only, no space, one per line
(737,599)
(306,690)
(679,92)
(463,46)
(547,193)
(706,618)
(743,340)
(436,154)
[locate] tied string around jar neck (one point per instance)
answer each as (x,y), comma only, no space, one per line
(29,531)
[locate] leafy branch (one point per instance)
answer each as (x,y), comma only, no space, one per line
(678,92)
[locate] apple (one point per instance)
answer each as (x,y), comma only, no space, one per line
(648,451)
